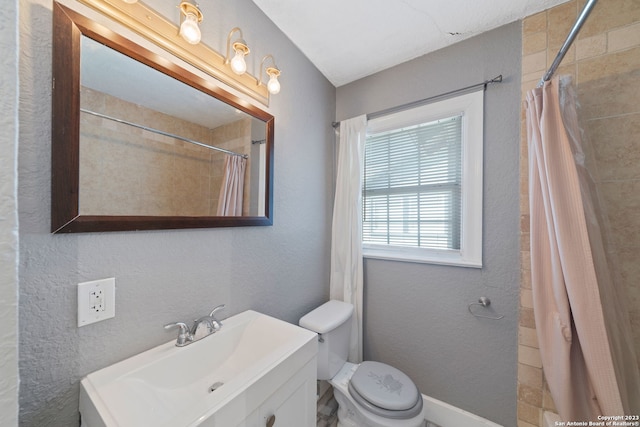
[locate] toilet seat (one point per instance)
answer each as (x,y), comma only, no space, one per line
(385,391)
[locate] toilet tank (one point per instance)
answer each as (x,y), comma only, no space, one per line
(332,321)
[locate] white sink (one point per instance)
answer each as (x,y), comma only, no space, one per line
(237,367)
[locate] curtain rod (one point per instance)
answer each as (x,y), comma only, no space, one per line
(160,132)
(419,102)
(569,40)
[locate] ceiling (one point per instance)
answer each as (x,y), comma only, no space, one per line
(350,39)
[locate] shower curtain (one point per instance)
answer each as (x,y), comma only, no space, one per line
(583,327)
(232,188)
(346,231)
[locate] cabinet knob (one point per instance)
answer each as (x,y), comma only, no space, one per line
(271,421)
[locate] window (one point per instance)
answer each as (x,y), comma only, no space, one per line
(422,186)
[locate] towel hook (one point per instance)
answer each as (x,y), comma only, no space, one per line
(485,302)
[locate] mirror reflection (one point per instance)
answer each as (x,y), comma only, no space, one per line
(151,145)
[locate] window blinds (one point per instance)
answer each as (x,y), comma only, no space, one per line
(412,185)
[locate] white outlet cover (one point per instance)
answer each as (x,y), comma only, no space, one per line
(103,291)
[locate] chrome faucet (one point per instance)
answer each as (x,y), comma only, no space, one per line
(202,327)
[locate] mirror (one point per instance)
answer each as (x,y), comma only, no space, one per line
(140,143)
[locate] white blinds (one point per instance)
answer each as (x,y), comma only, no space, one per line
(412,185)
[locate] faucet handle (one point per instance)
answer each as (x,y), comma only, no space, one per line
(215,310)
(216,324)
(183,336)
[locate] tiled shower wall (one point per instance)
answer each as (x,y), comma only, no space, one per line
(605,64)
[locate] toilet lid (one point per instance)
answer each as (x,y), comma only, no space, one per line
(385,387)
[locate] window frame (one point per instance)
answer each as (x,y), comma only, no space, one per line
(471,107)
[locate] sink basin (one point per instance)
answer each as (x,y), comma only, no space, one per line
(237,367)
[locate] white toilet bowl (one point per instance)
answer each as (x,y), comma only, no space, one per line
(371,394)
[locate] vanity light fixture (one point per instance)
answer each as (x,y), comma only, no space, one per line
(238,64)
(191,16)
(130,1)
(172,37)
(273,86)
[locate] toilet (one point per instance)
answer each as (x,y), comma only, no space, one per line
(370,394)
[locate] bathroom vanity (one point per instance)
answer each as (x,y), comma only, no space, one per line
(255,371)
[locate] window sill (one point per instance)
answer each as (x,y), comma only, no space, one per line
(419,255)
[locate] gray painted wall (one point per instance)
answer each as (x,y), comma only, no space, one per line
(165,276)
(416,315)
(9,214)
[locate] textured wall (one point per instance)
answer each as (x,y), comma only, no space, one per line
(164,276)
(604,62)
(416,315)
(9,215)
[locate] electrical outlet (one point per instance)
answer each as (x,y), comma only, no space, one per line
(96,301)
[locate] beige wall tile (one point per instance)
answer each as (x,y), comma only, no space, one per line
(591,46)
(526,298)
(525,279)
(528,336)
(624,38)
(534,24)
(623,207)
(524,223)
(634,316)
(524,203)
(610,96)
(534,63)
(530,395)
(527,319)
(610,15)
(616,146)
(547,402)
(525,260)
(526,424)
(529,356)
(533,43)
(529,413)
(525,241)
(561,19)
(629,273)
(530,375)
(606,66)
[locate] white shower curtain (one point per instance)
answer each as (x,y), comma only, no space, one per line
(583,328)
(232,188)
(346,232)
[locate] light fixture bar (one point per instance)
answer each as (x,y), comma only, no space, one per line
(154,27)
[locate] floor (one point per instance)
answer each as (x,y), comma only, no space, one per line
(327,406)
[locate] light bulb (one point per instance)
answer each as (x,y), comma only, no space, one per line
(274,85)
(238,65)
(189,29)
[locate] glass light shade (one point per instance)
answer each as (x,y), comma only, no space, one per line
(189,29)
(238,64)
(274,85)
(130,1)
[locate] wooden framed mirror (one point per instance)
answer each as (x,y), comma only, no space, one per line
(140,143)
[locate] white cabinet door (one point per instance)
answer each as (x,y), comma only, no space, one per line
(293,404)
